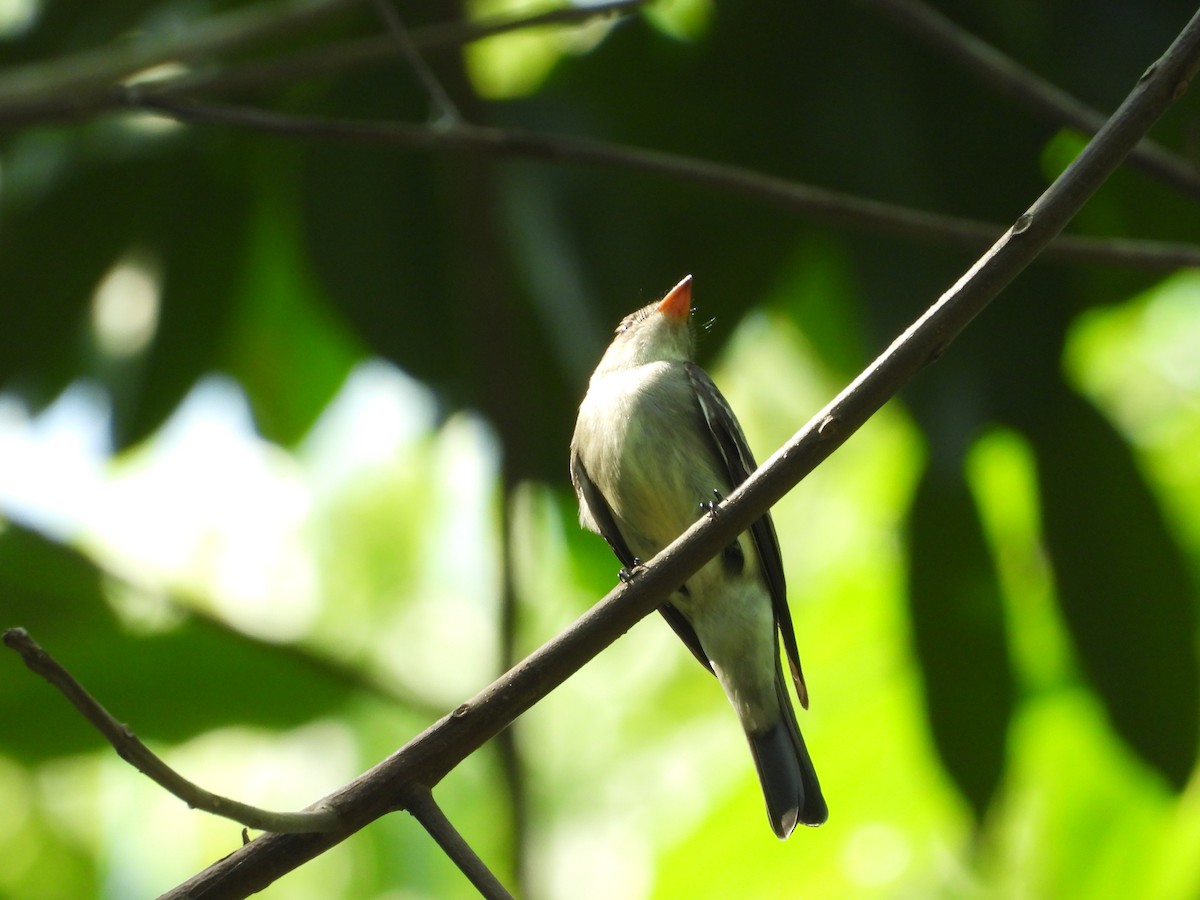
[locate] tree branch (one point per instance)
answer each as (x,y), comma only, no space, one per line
(817,204)
(357,53)
(82,84)
(445,112)
(70,85)
(424,809)
(429,756)
(1007,77)
(142,758)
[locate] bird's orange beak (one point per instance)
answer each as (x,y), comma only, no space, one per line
(677,305)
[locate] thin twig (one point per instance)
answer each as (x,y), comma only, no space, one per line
(356,53)
(429,756)
(73,87)
(817,204)
(56,88)
(1008,77)
(445,112)
(138,755)
(420,803)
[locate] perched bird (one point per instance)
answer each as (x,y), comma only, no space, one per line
(654,444)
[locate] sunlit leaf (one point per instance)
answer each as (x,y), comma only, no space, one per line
(1125,590)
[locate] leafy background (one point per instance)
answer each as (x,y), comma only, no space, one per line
(283,439)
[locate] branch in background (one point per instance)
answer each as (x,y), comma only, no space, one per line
(69,86)
(446,113)
(819,205)
(84,84)
(77,86)
(1007,77)
(419,801)
(138,755)
(424,809)
(508,749)
(429,756)
(358,53)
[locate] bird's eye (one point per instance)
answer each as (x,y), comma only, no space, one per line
(733,558)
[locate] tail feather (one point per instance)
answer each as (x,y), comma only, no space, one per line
(785,770)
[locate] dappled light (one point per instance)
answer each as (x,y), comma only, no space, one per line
(289,356)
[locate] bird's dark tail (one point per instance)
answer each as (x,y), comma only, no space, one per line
(785,770)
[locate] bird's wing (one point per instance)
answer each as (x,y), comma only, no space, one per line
(602,515)
(686,633)
(739,463)
(600,512)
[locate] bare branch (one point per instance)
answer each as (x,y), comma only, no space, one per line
(84,84)
(1008,77)
(815,203)
(446,113)
(138,755)
(430,755)
(69,85)
(80,85)
(425,810)
(358,53)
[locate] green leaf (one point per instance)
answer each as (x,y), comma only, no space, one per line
(288,349)
(197,222)
(54,247)
(169,685)
(1123,585)
(958,628)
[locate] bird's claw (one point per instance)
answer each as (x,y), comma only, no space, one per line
(710,506)
(627,573)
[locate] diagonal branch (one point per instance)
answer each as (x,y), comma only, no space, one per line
(424,809)
(444,109)
(142,758)
(418,801)
(817,204)
(429,756)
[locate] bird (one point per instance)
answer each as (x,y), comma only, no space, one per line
(655,447)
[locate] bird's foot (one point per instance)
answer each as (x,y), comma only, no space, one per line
(627,574)
(710,506)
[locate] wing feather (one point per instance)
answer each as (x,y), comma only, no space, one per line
(601,514)
(739,463)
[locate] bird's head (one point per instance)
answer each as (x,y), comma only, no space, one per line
(657,332)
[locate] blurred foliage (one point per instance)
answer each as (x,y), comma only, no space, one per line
(994,586)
